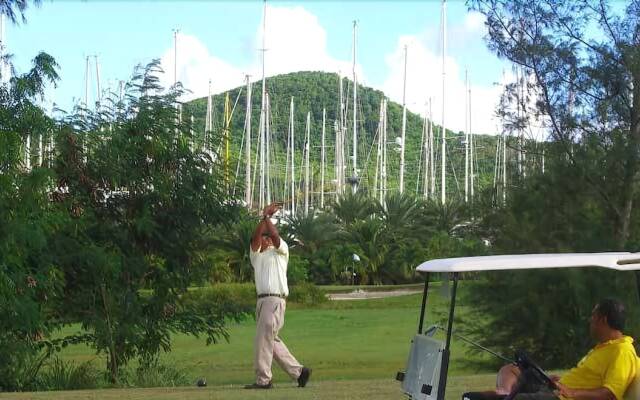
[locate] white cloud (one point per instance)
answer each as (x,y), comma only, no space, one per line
(295,41)
(196,66)
(424,78)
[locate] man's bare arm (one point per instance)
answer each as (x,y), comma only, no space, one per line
(273,232)
(256,239)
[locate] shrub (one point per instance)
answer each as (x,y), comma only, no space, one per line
(297,271)
(61,375)
(222,296)
(307,294)
(159,375)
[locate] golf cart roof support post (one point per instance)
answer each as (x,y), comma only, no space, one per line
(444,370)
(424,302)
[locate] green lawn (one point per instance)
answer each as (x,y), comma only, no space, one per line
(379,389)
(345,342)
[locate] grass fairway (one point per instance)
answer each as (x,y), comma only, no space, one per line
(378,389)
(354,347)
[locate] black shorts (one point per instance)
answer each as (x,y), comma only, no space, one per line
(532,389)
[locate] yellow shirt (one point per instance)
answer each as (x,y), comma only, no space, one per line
(611,364)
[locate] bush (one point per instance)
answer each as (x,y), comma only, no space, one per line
(297,270)
(222,296)
(19,364)
(159,375)
(307,294)
(61,375)
(241,297)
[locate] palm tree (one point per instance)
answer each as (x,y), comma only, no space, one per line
(10,7)
(311,232)
(400,211)
(370,243)
(354,207)
(234,245)
(449,217)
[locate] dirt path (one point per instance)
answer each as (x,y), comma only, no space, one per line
(363,295)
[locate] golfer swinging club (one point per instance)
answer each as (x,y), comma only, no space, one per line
(269,257)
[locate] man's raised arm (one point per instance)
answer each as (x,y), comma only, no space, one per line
(273,232)
(256,239)
(266,226)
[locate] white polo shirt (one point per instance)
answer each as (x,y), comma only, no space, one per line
(270,269)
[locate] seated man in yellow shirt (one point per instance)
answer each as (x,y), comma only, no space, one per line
(603,374)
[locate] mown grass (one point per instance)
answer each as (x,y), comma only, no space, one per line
(371,389)
(351,345)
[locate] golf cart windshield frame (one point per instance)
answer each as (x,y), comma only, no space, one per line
(619,261)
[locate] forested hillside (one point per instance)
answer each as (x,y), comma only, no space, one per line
(314,91)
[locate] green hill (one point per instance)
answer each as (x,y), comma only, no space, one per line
(315,91)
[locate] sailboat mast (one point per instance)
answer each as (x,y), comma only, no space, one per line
(322,158)
(306,165)
(383,175)
(432,166)
(267,135)
(247,149)
(355,111)
(376,185)
(263,115)
(504,168)
(472,156)
(443,182)
(86,83)
(340,134)
(466,141)
(293,158)
(425,149)
(404,122)
(98,90)
(175,57)
(207,121)
(226,134)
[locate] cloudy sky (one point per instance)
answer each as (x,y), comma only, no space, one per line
(220,41)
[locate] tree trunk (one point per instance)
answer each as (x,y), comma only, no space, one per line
(113,358)
(624,221)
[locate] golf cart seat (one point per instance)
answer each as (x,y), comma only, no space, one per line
(633,391)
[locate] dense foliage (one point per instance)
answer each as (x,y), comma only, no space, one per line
(580,74)
(95,208)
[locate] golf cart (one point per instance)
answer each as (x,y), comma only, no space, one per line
(425,377)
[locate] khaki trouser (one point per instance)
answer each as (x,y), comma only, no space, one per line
(270,319)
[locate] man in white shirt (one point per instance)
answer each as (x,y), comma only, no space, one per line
(269,257)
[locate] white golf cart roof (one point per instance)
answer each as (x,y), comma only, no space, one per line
(618,261)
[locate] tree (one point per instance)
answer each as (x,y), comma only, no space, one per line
(581,78)
(141,199)
(30,279)
(584,64)
(314,238)
(353,207)
(370,243)
(232,246)
(11,8)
